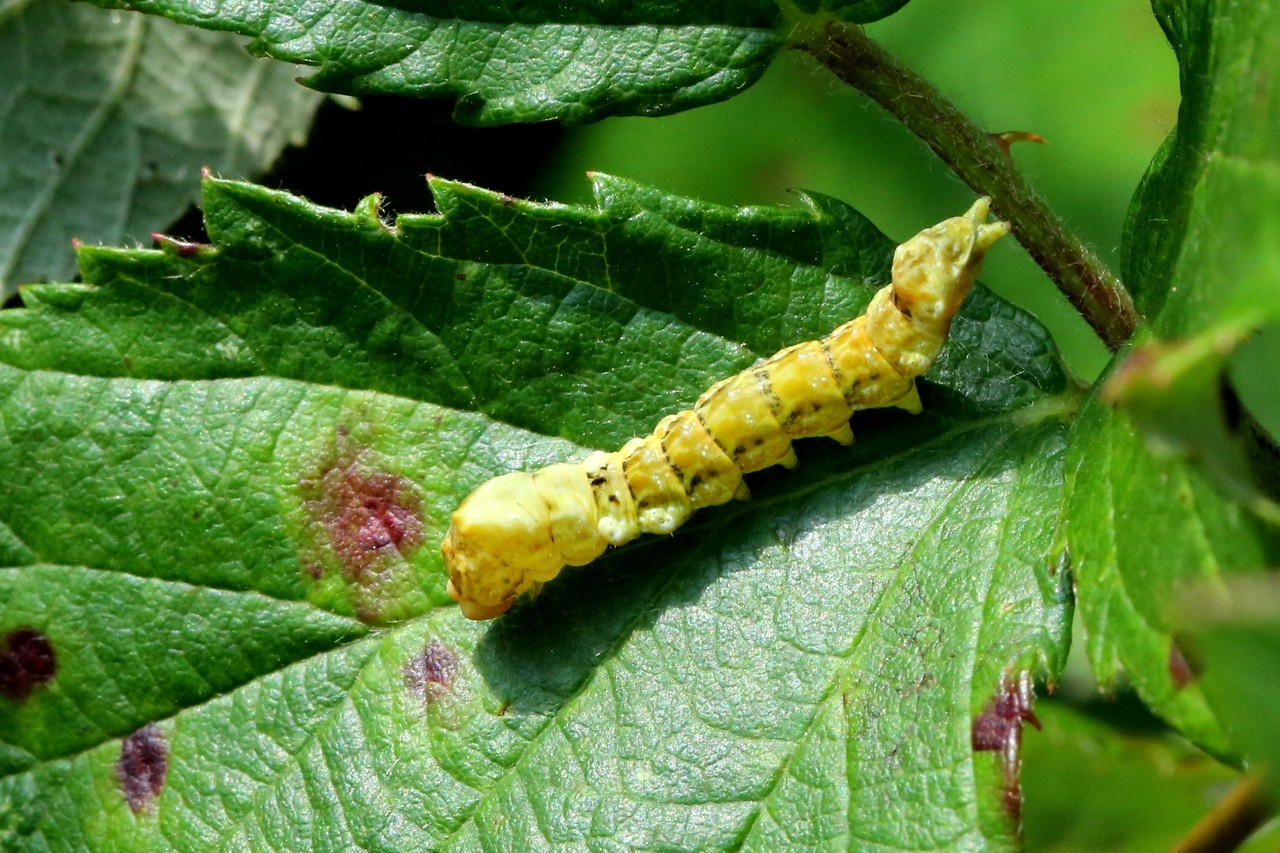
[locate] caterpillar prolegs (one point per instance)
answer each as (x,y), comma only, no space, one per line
(517,531)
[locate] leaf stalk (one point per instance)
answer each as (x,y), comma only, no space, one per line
(982,160)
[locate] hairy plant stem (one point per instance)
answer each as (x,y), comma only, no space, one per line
(982,160)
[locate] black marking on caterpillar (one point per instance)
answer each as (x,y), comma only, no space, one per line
(517,531)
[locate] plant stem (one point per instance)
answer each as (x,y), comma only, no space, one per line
(1231,821)
(982,160)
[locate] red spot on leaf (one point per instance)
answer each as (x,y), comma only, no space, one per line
(369,515)
(141,768)
(999,729)
(372,521)
(430,673)
(1180,671)
(374,514)
(26,662)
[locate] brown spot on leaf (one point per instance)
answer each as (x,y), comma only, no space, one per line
(999,729)
(430,673)
(141,768)
(26,662)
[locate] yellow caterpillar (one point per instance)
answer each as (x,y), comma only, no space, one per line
(517,531)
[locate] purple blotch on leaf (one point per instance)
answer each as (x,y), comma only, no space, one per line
(367,520)
(430,673)
(26,662)
(999,729)
(369,515)
(144,760)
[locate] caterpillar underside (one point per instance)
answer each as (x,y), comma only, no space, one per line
(517,531)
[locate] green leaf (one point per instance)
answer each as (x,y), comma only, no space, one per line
(1201,254)
(527,62)
(269,433)
(106,121)
(1203,240)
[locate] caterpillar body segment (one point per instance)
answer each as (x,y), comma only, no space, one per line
(517,531)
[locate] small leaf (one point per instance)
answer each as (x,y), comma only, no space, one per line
(108,120)
(255,446)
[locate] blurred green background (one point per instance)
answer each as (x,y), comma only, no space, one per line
(1095,777)
(1096,78)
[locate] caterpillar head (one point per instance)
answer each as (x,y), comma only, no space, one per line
(934,271)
